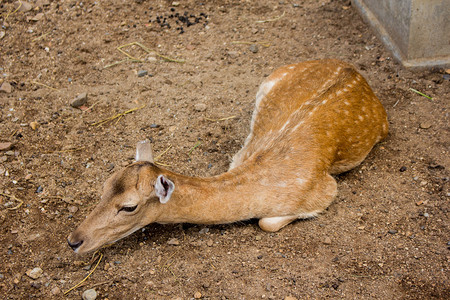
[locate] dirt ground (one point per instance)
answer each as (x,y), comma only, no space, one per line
(386,236)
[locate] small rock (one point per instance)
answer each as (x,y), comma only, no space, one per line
(173,242)
(204,230)
(2,34)
(72,209)
(175,3)
(425,125)
(6,146)
(423,183)
(110,166)
(233,54)
(34,273)
(80,100)
(392,231)
(253,48)
(41,3)
(209,243)
(55,291)
(39,189)
(154,126)
(426,215)
(290,298)
(37,17)
(258,237)
(90,294)
(6,87)
(403,169)
(34,125)
(142,73)
(420,202)
(327,241)
(24,7)
(36,285)
(197,295)
(200,107)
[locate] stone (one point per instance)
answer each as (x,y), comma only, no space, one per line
(173,242)
(253,48)
(327,241)
(80,100)
(72,209)
(90,294)
(5,146)
(290,298)
(55,291)
(34,273)
(6,87)
(197,295)
(425,125)
(392,231)
(142,73)
(200,107)
(37,17)
(23,6)
(34,125)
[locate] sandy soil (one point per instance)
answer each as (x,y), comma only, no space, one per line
(386,236)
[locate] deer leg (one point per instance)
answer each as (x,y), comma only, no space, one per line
(275,223)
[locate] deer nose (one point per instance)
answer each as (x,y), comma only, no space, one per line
(75,246)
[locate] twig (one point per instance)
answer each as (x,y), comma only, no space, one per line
(395,104)
(221,119)
(146,50)
(11,13)
(120,115)
(264,44)
(92,106)
(420,93)
(120,62)
(13,133)
(38,83)
(162,153)
(193,148)
(40,37)
(79,283)
(14,198)
(162,164)
(272,20)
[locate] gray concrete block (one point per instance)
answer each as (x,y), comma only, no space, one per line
(416,31)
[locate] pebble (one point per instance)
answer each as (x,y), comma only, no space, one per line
(2,34)
(80,100)
(290,298)
(37,17)
(90,294)
(55,291)
(403,169)
(34,273)
(200,107)
(233,54)
(6,87)
(39,189)
(253,48)
(5,146)
(392,231)
(154,126)
(110,166)
(327,241)
(34,125)
(204,230)
(173,242)
(258,237)
(73,209)
(425,125)
(24,7)
(426,215)
(142,73)
(197,295)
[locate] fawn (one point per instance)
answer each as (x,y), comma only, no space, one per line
(311,120)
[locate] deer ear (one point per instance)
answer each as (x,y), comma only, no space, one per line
(164,188)
(144,151)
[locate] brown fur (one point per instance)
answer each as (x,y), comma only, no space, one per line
(312,119)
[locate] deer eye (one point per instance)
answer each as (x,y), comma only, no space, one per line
(128,208)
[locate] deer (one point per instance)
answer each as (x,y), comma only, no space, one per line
(312,120)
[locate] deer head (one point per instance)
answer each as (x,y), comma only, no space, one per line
(132,198)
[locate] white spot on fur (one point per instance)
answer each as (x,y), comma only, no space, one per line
(297,126)
(301,181)
(324,101)
(291,67)
(284,126)
(346,102)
